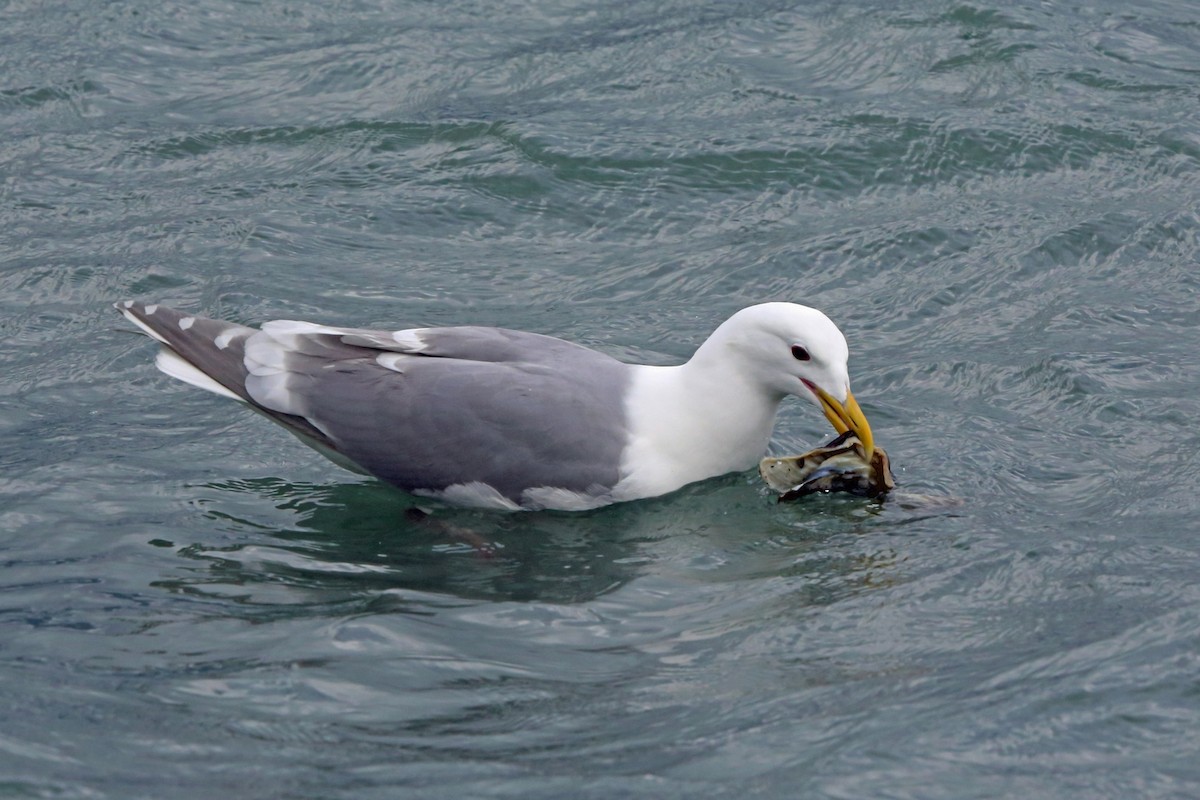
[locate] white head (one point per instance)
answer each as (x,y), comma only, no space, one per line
(788,348)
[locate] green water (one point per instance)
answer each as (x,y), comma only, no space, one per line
(1000,205)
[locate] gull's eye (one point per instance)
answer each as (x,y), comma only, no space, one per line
(799,353)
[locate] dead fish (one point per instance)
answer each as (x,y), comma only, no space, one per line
(842,465)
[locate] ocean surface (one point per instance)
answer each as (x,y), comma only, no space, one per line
(998,203)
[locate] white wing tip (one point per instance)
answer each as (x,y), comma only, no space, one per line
(174,365)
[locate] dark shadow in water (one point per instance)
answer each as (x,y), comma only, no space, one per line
(352,543)
(366,537)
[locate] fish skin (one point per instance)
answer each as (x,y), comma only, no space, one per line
(839,466)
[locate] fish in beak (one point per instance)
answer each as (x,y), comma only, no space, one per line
(840,466)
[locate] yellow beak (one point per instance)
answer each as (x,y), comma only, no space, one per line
(846,417)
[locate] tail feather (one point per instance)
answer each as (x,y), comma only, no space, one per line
(210,354)
(212,348)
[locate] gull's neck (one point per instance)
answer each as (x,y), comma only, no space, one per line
(704,418)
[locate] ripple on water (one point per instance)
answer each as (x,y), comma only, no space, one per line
(992,202)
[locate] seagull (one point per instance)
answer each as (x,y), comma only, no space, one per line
(499,418)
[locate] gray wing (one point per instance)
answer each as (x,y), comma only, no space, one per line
(429,408)
(469,342)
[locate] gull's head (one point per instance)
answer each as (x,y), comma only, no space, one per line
(794,349)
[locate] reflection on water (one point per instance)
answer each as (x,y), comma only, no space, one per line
(360,539)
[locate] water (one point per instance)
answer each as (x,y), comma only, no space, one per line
(998,203)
